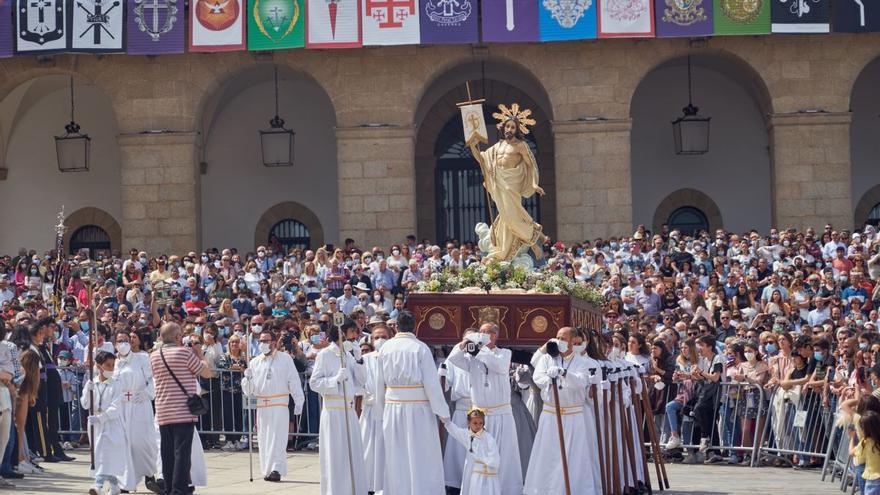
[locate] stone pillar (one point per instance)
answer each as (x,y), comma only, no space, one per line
(811,170)
(160,193)
(376,184)
(593,187)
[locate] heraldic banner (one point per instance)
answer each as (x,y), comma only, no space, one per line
(6,34)
(626,18)
(561,20)
(155,27)
(275,24)
(742,16)
(448,21)
(856,16)
(801,16)
(391,22)
(97,26)
(510,20)
(40,27)
(333,24)
(216,26)
(682,18)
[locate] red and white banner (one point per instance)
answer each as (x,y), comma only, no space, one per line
(217,25)
(391,22)
(333,23)
(626,18)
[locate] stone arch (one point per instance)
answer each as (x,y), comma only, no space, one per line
(864,147)
(867,203)
(283,211)
(498,81)
(94,216)
(688,197)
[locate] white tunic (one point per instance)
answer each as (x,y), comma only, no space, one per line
(594,373)
(482,461)
(489,374)
(371,427)
(270,380)
(112,456)
(334,436)
(545,476)
(460,393)
(409,397)
(135,376)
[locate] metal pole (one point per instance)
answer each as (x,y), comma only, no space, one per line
(90,359)
(250,421)
(345,410)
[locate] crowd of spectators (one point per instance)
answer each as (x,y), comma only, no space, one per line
(783,309)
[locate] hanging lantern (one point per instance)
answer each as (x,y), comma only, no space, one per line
(72,148)
(277,141)
(690,132)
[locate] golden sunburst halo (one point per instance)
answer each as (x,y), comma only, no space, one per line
(521,117)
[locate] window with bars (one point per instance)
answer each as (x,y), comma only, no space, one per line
(290,233)
(91,237)
(688,220)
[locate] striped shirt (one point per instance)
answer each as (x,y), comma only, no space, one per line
(171,405)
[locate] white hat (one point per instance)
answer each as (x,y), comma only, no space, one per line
(362,287)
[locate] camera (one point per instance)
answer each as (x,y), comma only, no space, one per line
(472,348)
(187,342)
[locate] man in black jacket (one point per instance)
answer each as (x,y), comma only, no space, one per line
(50,397)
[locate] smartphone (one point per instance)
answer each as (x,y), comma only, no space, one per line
(323,335)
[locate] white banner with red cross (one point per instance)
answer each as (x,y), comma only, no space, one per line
(391,22)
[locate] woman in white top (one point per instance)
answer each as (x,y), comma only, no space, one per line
(397,261)
(310,282)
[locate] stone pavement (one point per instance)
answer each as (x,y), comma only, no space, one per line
(228,475)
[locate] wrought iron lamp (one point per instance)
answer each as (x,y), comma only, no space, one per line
(72,148)
(691,131)
(277,141)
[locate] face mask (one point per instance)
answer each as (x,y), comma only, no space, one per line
(563,346)
(257,329)
(730,359)
(204,259)
(84,325)
(199,329)
(324,297)
(265,348)
(123,348)
(314,339)
(378,343)
(770,348)
(261,254)
(33,271)
(863,345)
(377,297)
(107,374)
(750,356)
(252,271)
(57,335)
(63,362)
(194,298)
(818,356)
(241,297)
(579,349)
(395,252)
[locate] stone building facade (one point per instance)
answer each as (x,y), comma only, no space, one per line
(390,104)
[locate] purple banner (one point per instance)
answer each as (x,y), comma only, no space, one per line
(510,20)
(6,41)
(682,18)
(444,22)
(156,27)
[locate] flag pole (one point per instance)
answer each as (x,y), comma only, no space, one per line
(475,149)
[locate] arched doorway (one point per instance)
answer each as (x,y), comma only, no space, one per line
(288,225)
(688,220)
(867,210)
(235,186)
(91,238)
(450,196)
(730,92)
(874,216)
(92,228)
(689,211)
(288,234)
(863,143)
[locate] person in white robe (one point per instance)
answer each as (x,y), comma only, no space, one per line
(270,380)
(457,383)
(545,475)
(370,422)
(342,452)
(135,376)
(488,368)
(107,428)
(594,374)
(409,397)
(482,457)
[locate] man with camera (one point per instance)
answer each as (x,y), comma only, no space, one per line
(488,369)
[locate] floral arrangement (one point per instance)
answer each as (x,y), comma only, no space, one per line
(502,275)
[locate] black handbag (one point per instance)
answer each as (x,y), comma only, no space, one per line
(197,404)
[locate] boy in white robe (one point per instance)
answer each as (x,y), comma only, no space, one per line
(482,457)
(271,378)
(112,457)
(336,384)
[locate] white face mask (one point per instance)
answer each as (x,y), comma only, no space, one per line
(253,271)
(348,346)
(614,354)
(378,343)
(123,348)
(485,339)
(579,349)
(563,346)
(265,348)
(107,374)
(750,356)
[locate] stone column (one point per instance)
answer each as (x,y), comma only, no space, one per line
(593,187)
(811,170)
(160,193)
(377,204)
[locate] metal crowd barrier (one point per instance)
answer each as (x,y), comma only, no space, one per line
(799,427)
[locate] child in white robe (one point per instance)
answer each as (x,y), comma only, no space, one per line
(480,475)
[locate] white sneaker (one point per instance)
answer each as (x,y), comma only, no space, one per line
(704,444)
(242,445)
(25,467)
(673,443)
(229,446)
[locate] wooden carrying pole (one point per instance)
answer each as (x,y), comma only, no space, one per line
(663,480)
(561,437)
(606,421)
(594,392)
(637,434)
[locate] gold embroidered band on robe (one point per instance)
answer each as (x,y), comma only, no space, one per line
(402,394)
(279,400)
(565,410)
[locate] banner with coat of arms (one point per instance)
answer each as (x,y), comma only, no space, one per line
(741,16)
(97,26)
(216,26)
(626,18)
(40,26)
(683,18)
(390,22)
(856,16)
(510,21)
(448,21)
(800,16)
(561,20)
(275,24)
(155,27)
(333,24)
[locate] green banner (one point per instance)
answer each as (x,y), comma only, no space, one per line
(741,17)
(275,24)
